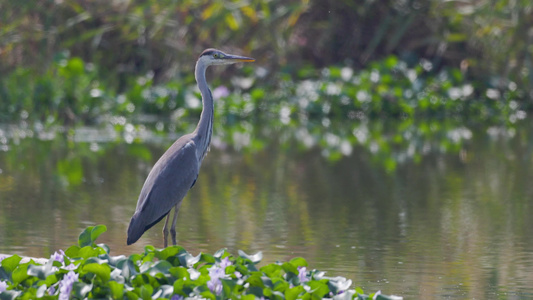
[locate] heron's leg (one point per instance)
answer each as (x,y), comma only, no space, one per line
(174,220)
(165,231)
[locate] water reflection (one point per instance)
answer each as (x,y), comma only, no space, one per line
(453,223)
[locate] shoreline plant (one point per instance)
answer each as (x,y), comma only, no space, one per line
(87,271)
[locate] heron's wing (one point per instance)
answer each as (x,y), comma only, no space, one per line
(168,182)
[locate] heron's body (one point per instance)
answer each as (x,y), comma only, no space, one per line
(176,171)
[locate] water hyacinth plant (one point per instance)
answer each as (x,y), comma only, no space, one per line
(87,271)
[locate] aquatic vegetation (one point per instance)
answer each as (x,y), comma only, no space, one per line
(87,270)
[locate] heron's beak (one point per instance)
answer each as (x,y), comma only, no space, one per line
(237,58)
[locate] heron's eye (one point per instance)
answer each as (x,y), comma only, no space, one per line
(216,55)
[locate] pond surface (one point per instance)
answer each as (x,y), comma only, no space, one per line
(455,224)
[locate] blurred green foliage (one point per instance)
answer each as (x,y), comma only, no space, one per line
(492,39)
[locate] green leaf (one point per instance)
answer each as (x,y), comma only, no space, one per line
(84,239)
(256,280)
(248,297)
(359,290)
(72,251)
(97,231)
(299,262)
(87,252)
(20,274)
(318,288)
(146,291)
(272,270)
(10,263)
(289,268)
(168,252)
(179,273)
(207,258)
(80,289)
(255,258)
(131,295)
(187,260)
(9,295)
(292,293)
(117,289)
(103,271)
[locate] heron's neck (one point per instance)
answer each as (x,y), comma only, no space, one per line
(204,128)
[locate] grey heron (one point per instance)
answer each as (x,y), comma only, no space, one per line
(176,171)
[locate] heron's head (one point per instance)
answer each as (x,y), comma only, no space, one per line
(212,57)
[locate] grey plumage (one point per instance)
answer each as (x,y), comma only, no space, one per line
(177,170)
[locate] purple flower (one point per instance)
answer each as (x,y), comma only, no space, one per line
(51,290)
(220,92)
(177,297)
(238,274)
(214,284)
(65,286)
(2,256)
(3,286)
(302,274)
(58,256)
(225,262)
(70,267)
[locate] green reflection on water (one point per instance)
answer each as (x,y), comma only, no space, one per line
(446,220)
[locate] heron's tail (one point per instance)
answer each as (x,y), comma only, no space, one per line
(135,230)
(138,226)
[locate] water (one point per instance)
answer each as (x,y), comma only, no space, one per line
(453,224)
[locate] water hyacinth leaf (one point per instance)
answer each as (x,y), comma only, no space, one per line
(85,237)
(80,289)
(293,293)
(10,263)
(87,252)
(289,268)
(97,231)
(186,259)
(116,275)
(348,295)
(3,274)
(104,247)
(146,291)
(50,280)
(272,270)
(161,266)
(339,284)
(103,271)
(165,291)
(228,287)
(20,273)
(299,262)
(248,297)
(131,295)
(255,258)
(207,258)
(40,272)
(179,273)
(318,288)
(40,291)
(10,295)
(222,253)
(255,280)
(90,234)
(281,286)
(359,290)
(72,251)
(115,260)
(168,252)
(207,295)
(117,289)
